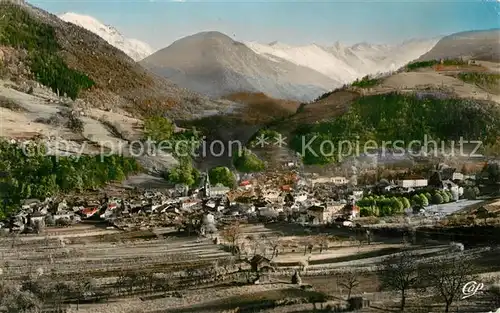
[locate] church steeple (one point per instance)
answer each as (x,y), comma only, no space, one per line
(207,185)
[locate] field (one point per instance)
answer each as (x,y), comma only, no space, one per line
(161,270)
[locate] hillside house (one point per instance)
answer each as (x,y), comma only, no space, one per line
(351,211)
(189,203)
(320,214)
(273,196)
(458,176)
(246,185)
(89,212)
(36,218)
(337,180)
(413,183)
(287,188)
(300,196)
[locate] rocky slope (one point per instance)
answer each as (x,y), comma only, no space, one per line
(69,87)
(479,45)
(116,80)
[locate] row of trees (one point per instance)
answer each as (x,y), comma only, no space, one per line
(366,82)
(434,197)
(381,206)
(396,118)
(480,78)
(29,172)
(387,206)
(423,64)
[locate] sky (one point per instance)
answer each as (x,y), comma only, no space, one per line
(160,22)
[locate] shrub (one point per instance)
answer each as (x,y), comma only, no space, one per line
(471,193)
(406,203)
(437,198)
(248,162)
(480,78)
(75,124)
(425,200)
(158,128)
(184,173)
(366,82)
(422,64)
(445,196)
(222,175)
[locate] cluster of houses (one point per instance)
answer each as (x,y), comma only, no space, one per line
(294,198)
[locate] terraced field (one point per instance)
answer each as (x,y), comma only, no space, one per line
(188,265)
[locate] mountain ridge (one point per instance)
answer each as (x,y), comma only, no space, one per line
(134,48)
(299,73)
(118,81)
(188,60)
(476,44)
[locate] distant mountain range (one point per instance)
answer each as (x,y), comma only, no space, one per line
(134,48)
(214,64)
(346,63)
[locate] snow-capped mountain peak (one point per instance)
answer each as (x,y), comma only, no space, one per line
(344,63)
(134,48)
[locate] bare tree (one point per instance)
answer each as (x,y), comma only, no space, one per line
(349,280)
(400,273)
(232,234)
(323,242)
(448,277)
(274,243)
(254,246)
(368,236)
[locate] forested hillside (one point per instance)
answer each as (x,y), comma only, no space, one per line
(405,117)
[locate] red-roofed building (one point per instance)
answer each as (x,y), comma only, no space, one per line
(286,188)
(246,184)
(88,212)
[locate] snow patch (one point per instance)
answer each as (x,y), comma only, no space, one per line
(346,63)
(134,48)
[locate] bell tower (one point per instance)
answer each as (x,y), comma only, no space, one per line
(207,185)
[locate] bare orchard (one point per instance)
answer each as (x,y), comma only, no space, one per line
(244,266)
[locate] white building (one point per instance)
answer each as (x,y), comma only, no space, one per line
(458,176)
(412,183)
(337,180)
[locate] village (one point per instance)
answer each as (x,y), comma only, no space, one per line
(154,248)
(290,196)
